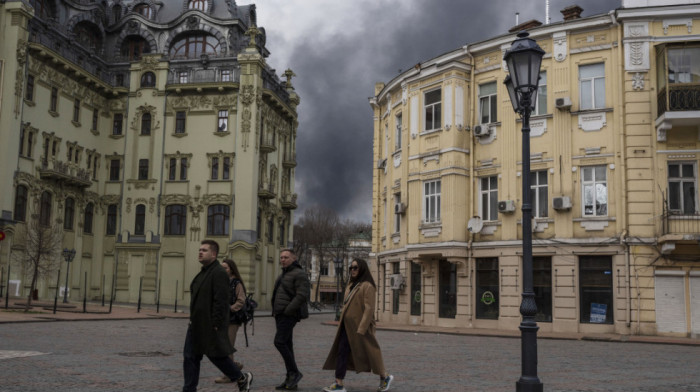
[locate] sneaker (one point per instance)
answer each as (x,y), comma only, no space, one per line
(385,383)
(335,388)
(294,380)
(283,386)
(223,380)
(245,381)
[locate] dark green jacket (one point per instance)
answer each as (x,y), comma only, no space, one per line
(209,309)
(291,291)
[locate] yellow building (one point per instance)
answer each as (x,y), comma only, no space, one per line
(140,128)
(615,147)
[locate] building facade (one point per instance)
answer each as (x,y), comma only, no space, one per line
(615,148)
(138,129)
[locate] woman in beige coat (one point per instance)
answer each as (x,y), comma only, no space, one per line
(355,346)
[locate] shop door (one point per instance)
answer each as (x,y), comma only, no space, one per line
(670,302)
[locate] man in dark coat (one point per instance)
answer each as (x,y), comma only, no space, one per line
(289,295)
(207,333)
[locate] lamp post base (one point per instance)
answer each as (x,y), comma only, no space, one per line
(529,385)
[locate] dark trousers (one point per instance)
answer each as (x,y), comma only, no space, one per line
(192,361)
(283,341)
(341,361)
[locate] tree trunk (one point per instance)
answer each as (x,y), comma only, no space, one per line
(31,288)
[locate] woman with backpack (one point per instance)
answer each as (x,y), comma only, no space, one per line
(238,295)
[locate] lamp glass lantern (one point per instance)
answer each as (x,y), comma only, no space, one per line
(524,59)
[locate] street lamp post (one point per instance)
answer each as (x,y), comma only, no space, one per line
(338,270)
(523,60)
(68,254)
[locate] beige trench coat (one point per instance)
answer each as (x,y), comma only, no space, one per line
(358,317)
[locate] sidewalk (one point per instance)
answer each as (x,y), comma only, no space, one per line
(42,311)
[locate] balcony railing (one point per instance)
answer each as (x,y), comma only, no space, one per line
(289,200)
(65,172)
(289,160)
(267,144)
(678,222)
(678,98)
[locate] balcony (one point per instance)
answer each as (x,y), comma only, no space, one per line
(267,144)
(266,190)
(289,160)
(680,232)
(678,105)
(289,201)
(65,172)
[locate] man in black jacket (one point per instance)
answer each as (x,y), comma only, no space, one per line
(207,333)
(289,295)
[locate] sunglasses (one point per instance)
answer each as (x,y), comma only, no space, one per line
(353,268)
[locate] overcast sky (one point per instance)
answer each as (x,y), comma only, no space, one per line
(340,48)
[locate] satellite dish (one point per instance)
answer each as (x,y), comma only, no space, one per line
(475,225)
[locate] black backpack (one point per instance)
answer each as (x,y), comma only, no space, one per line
(246,314)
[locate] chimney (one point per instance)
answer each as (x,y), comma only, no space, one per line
(530,24)
(572,12)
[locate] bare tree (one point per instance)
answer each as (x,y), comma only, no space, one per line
(39,251)
(317,227)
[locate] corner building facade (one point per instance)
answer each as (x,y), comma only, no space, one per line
(615,147)
(140,128)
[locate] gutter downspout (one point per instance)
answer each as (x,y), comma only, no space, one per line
(471,179)
(121,194)
(160,195)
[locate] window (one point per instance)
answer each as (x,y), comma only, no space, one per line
(183,76)
(197,5)
(397,217)
(595,191)
(21,194)
(431,201)
(117,124)
(69,212)
(95,117)
(489,198)
(681,188)
(114,168)
(217,219)
(146,124)
(592,86)
(143,169)
(120,80)
(148,79)
(26,138)
(541,103)
(144,10)
(175,219)
(433,109)
(281,234)
(223,121)
(225,75)
(87,224)
(542,286)
(324,269)
(53,103)
(183,169)
(683,65)
(226,174)
(111,219)
(45,209)
(76,110)
(395,294)
(270,230)
(215,168)
(180,118)
(448,289)
(488,105)
(195,45)
(140,221)
(397,136)
(172,169)
(596,295)
(29,93)
(538,193)
(415,289)
(487,288)
(132,48)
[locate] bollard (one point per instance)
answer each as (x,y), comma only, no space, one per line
(158,298)
(112,292)
(7,292)
(138,307)
(176,282)
(103,290)
(55,297)
(85,295)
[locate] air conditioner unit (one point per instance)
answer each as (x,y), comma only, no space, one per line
(396,281)
(482,130)
(506,206)
(399,208)
(561,203)
(563,103)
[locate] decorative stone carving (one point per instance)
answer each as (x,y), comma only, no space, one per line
(140,111)
(247,95)
(688,22)
(560,46)
(192,23)
(246,118)
(592,121)
(538,127)
(638,81)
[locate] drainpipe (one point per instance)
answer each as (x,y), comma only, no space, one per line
(471,178)
(628,298)
(160,195)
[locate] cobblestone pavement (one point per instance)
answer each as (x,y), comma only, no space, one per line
(145,355)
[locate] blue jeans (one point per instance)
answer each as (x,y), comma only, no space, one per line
(283,341)
(192,361)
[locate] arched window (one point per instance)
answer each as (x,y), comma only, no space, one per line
(193,46)
(42,8)
(201,5)
(45,209)
(217,219)
(88,35)
(175,219)
(133,47)
(145,10)
(116,13)
(140,225)
(20,203)
(112,219)
(146,124)
(87,224)
(148,79)
(69,212)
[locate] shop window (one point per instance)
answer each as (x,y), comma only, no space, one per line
(596,295)
(542,286)
(448,289)
(416,293)
(395,294)
(487,288)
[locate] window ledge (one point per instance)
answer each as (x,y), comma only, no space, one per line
(113,136)
(53,113)
(29,103)
(217,180)
(217,133)
(95,132)
(588,111)
(179,134)
(428,132)
(77,124)
(177,181)
(595,223)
